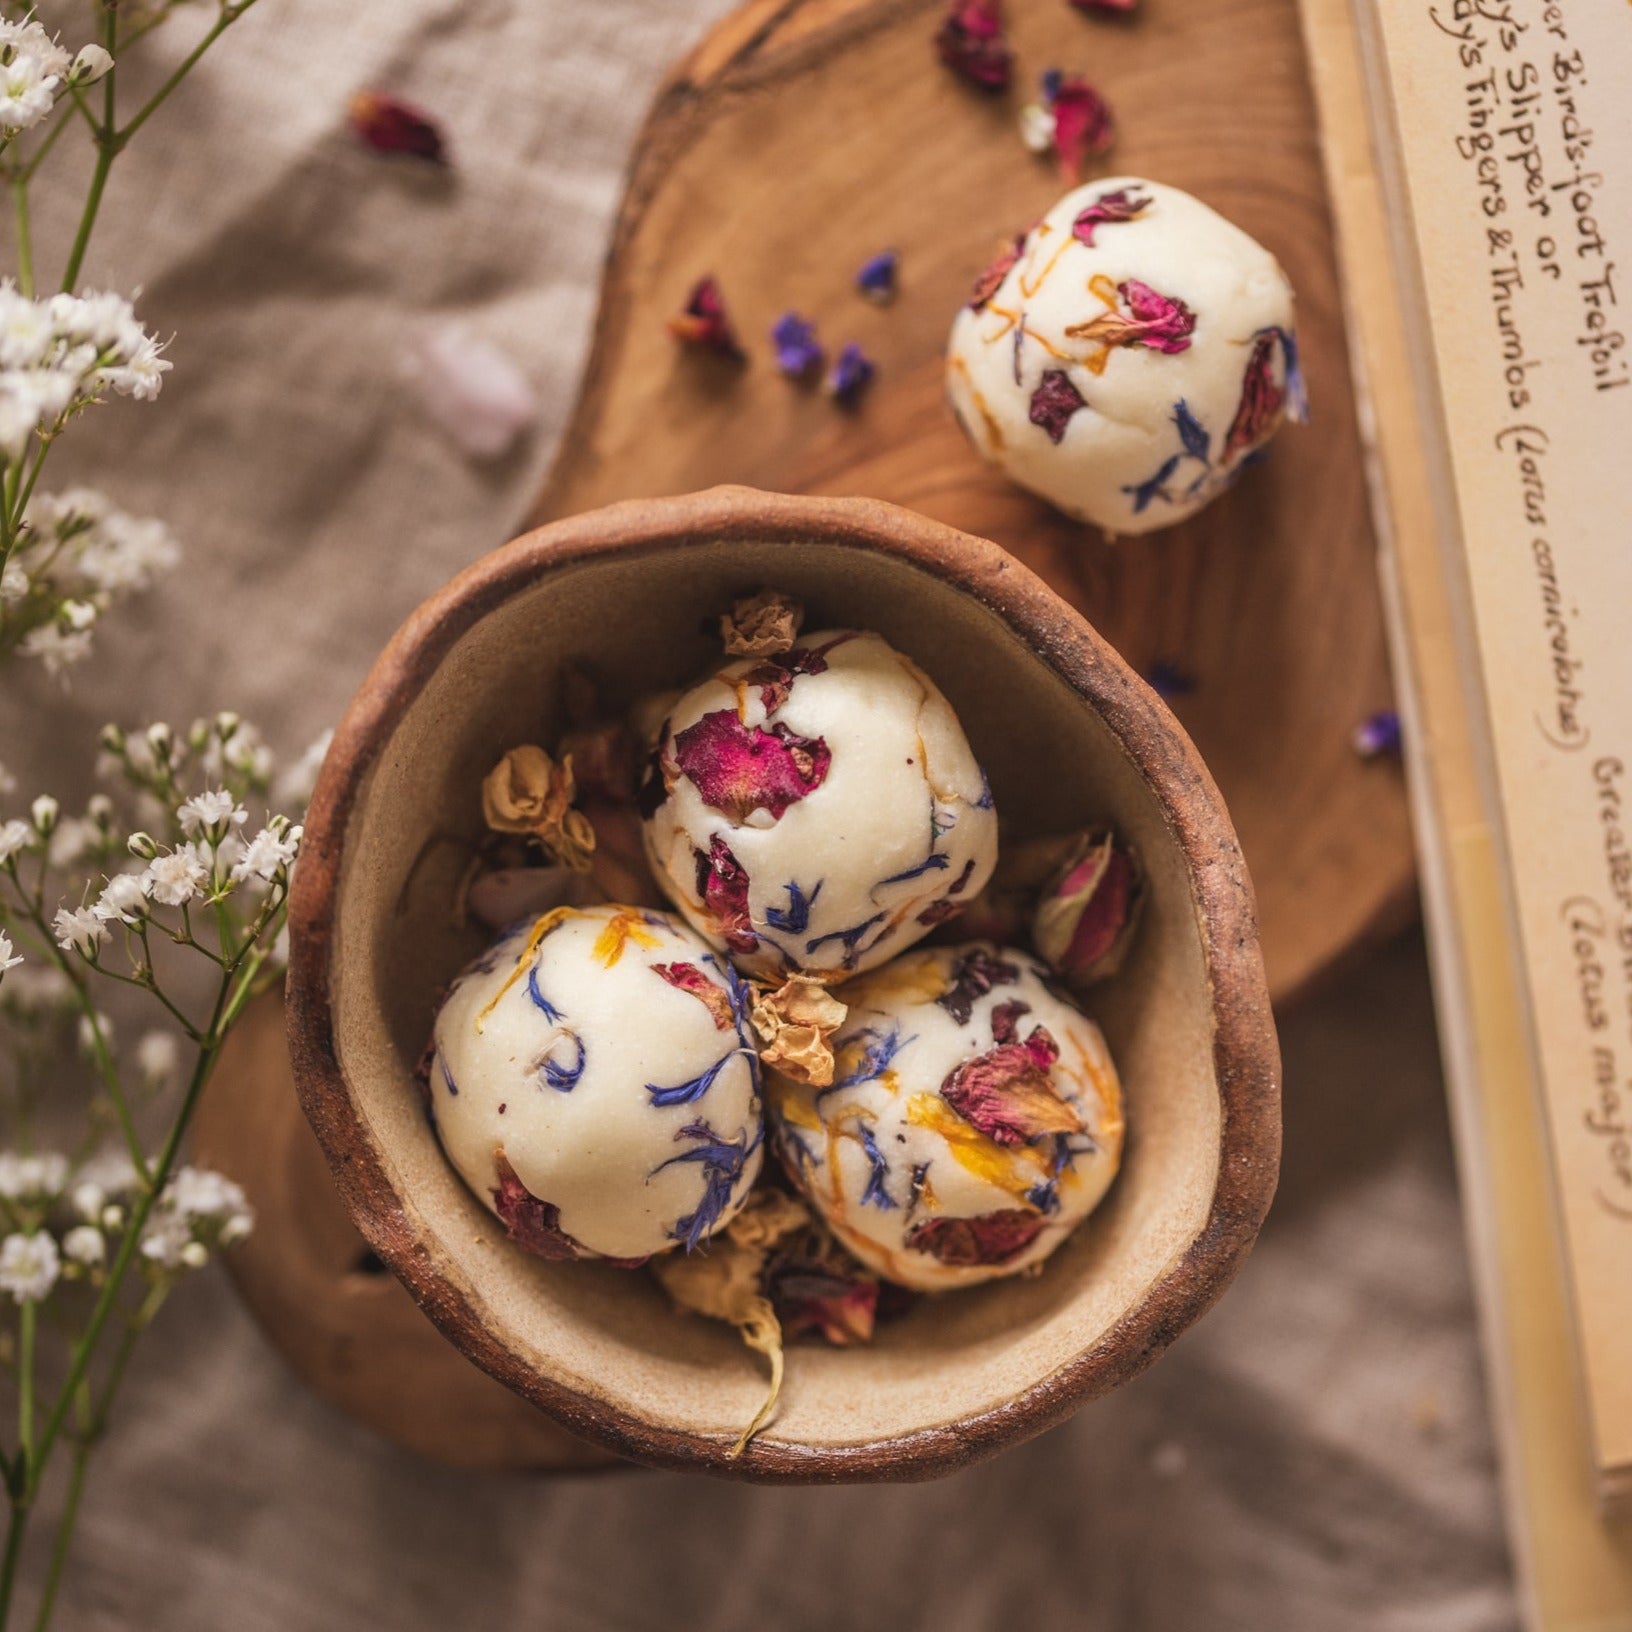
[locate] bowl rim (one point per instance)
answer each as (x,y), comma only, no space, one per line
(1246,1056)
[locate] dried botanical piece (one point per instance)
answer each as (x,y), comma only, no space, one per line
(1088,912)
(702,322)
(1378,736)
(798,353)
(815,1286)
(762,625)
(471,390)
(972,43)
(876,277)
(603,761)
(1073,119)
(974,1118)
(1140,316)
(852,373)
(727,1283)
(795,1024)
(1053,403)
(389,125)
(529,792)
(988,283)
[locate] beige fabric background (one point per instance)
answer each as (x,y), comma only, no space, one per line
(1315,1456)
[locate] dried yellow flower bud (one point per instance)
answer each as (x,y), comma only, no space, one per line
(796,1023)
(528,792)
(725,1283)
(762,625)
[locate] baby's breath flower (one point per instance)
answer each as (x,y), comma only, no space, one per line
(92,62)
(210,812)
(15,837)
(123,898)
(78,929)
(158,1055)
(45,811)
(198,1209)
(34,992)
(32,1178)
(75,837)
(84,1245)
(56,646)
(8,956)
(267,854)
(173,879)
(29,1266)
(30,75)
(106,1175)
(90,1029)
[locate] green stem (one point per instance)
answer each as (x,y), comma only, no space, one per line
(25,240)
(65,1534)
(80,1357)
(16,1528)
(230,13)
(28,1324)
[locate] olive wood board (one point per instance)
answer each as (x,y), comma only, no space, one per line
(799,138)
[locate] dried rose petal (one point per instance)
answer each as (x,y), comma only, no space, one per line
(775,676)
(975,974)
(1088,911)
(796,1023)
(1160,322)
(739,768)
(1112,209)
(389,125)
(722,882)
(1054,401)
(703,322)
(988,283)
(812,1294)
(1261,401)
(1117,8)
(1082,124)
(1006,1092)
(687,977)
(762,625)
(964,1243)
(971,43)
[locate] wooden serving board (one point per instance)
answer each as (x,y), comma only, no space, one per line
(805,135)
(802,136)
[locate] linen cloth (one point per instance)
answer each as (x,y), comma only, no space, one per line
(1314,1456)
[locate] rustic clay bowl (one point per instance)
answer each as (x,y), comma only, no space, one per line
(1066,732)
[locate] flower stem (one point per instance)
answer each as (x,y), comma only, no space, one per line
(16,1529)
(25,240)
(65,1534)
(28,1324)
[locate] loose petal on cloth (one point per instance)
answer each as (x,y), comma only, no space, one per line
(471,391)
(389,125)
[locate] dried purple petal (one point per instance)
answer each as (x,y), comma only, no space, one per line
(703,321)
(1082,124)
(1088,912)
(389,125)
(797,350)
(739,768)
(1261,400)
(1378,735)
(988,283)
(722,882)
(971,43)
(1111,209)
(876,277)
(973,976)
(852,374)
(1193,435)
(993,1238)
(1054,401)
(721,1161)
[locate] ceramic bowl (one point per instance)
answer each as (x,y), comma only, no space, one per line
(1067,734)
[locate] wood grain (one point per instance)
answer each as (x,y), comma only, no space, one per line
(803,136)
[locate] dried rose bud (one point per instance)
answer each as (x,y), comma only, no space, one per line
(762,625)
(703,322)
(796,1023)
(389,125)
(971,43)
(603,761)
(1086,917)
(528,792)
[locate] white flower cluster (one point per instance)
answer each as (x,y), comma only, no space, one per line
(77,557)
(198,1213)
(60,353)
